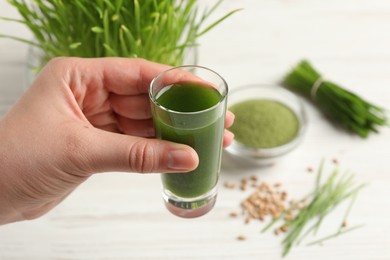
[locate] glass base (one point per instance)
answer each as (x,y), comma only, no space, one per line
(190,207)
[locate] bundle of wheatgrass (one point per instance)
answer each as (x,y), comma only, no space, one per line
(157,30)
(348,109)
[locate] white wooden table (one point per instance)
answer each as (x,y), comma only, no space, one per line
(121,216)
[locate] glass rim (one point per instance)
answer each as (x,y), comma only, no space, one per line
(154,100)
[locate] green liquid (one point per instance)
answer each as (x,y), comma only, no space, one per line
(206,140)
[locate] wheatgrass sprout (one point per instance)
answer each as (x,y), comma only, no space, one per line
(158,30)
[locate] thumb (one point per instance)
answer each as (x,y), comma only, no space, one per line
(117,152)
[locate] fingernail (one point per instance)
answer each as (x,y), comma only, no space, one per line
(181,160)
(229,135)
(230,114)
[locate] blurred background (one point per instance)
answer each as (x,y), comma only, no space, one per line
(121,216)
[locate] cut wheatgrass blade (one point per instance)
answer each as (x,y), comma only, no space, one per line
(348,109)
(338,233)
(324,199)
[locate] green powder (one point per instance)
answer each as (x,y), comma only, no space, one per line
(262,123)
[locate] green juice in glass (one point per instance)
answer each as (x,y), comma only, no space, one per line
(203,131)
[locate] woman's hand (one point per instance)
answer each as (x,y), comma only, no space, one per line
(79,117)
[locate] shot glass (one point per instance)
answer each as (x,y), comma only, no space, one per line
(188,106)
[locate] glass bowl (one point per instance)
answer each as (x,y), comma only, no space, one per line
(267,156)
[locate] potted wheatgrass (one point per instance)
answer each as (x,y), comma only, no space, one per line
(163,31)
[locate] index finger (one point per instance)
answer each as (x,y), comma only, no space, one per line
(126,76)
